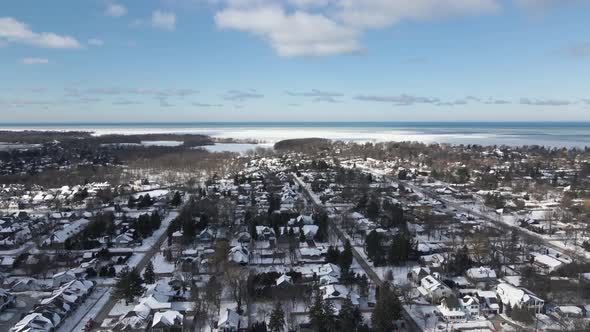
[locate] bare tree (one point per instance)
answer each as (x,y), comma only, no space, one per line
(237,280)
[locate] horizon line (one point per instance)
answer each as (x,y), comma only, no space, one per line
(281,122)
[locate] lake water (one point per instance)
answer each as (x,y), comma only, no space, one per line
(552,134)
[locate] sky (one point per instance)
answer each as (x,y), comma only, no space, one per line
(294,60)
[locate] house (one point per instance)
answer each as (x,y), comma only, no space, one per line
(63,277)
(6,299)
(132,321)
(58,238)
(239,255)
(488,302)
(207,235)
(265,233)
(417,273)
(338,293)
(33,322)
(433,261)
(519,297)
(569,311)
(450,309)
(547,263)
(433,289)
(470,305)
(328,269)
(309,231)
(284,280)
(123,240)
(168,321)
(480,275)
(229,321)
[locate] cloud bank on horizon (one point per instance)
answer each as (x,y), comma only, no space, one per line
(205,59)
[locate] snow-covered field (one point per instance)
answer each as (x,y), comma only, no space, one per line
(236,147)
(162,143)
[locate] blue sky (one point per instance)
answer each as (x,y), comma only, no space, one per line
(294,60)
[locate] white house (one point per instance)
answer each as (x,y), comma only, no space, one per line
(450,309)
(170,320)
(519,297)
(63,277)
(433,289)
(229,321)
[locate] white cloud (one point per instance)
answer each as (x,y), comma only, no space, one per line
(95,42)
(399,100)
(384,13)
(545,102)
(13,31)
(241,96)
(330,27)
(316,93)
(115,10)
(296,34)
(34,61)
(541,4)
(164,20)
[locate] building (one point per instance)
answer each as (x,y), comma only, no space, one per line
(519,297)
(168,321)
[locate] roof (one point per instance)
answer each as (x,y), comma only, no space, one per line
(481,273)
(167,318)
(548,261)
(229,318)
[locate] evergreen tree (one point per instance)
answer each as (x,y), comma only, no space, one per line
(277,318)
(149,275)
(176,200)
(345,259)
(128,286)
(387,309)
(131,202)
(332,255)
(316,313)
(349,317)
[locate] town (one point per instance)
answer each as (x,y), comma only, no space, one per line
(313,235)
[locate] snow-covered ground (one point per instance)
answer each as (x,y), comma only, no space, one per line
(162,143)
(236,147)
(153,193)
(161,265)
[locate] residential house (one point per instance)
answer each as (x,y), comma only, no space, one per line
(6,299)
(519,297)
(488,302)
(168,321)
(450,309)
(63,277)
(480,275)
(229,321)
(433,289)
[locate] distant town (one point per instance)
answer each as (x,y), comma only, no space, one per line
(160,233)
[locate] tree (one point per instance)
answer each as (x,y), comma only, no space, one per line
(332,255)
(149,275)
(197,297)
(176,199)
(237,279)
(387,309)
(345,259)
(128,286)
(212,301)
(349,316)
(277,318)
(522,315)
(322,314)
(131,202)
